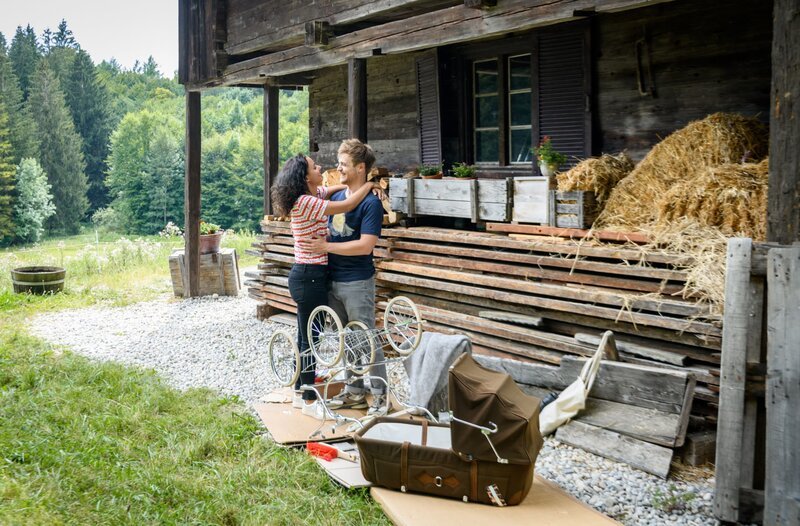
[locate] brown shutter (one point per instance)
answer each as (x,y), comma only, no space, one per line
(430,142)
(564,90)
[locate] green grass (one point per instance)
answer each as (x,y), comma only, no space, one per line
(89,443)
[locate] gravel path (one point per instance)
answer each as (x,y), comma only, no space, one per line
(218,343)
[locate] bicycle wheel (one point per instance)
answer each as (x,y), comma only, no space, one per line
(359,347)
(284,357)
(402,323)
(326,336)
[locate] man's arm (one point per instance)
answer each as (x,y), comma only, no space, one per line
(358,247)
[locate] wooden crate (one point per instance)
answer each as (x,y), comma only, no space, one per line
(532,200)
(219,273)
(475,199)
(573,209)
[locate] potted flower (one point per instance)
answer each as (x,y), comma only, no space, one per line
(463,171)
(430,171)
(210,237)
(549,158)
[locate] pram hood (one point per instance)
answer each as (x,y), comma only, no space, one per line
(480,396)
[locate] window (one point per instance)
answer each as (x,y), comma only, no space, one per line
(502,110)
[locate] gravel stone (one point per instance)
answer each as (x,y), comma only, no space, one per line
(217,342)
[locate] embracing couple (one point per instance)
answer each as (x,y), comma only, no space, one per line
(335,229)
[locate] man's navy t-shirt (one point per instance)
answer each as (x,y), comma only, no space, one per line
(366,218)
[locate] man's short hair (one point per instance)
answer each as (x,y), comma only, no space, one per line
(358,152)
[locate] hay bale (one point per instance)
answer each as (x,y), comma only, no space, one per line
(599,175)
(731,197)
(718,139)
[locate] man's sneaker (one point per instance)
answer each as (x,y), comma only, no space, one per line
(297,399)
(314,410)
(345,400)
(378,406)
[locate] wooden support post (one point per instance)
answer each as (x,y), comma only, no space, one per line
(475,206)
(412,207)
(782,488)
(191,203)
(317,33)
(270,143)
(739,322)
(357,98)
(783,209)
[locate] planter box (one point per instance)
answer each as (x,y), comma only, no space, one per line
(475,199)
(532,200)
(219,273)
(573,209)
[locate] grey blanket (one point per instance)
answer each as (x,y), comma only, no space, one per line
(427,369)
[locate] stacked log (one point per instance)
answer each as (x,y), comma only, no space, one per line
(534,299)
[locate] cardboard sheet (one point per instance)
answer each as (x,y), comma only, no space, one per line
(289,426)
(545,505)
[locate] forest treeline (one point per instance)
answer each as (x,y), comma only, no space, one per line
(83,142)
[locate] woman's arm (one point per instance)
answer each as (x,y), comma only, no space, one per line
(338,207)
(334,188)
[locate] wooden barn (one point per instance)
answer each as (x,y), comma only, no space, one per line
(481,82)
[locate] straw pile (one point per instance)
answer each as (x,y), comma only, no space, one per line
(718,139)
(731,197)
(599,175)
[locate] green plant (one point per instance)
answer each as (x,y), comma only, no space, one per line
(208,228)
(430,169)
(672,499)
(547,154)
(463,170)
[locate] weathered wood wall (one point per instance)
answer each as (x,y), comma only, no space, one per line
(705,57)
(391,113)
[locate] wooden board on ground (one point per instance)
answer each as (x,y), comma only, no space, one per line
(546,505)
(637,453)
(603,235)
(289,426)
(344,472)
(284,318)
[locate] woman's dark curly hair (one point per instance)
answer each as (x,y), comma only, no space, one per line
(290,184)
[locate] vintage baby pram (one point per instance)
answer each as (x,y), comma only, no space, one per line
(486,455)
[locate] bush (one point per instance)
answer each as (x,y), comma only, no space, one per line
(108,220)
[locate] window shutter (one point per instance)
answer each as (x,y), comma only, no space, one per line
(430,142)
(564,92)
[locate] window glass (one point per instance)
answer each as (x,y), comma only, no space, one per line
(520,109)
(486,77)
(519,69)
(520,146)
(487,109)
(487,146)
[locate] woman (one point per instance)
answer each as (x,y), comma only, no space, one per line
(298,192)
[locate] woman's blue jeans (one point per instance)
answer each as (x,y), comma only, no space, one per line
(308,286)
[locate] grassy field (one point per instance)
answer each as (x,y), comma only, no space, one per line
(88,443)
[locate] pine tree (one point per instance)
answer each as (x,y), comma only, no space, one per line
(20,123)
(24,54)
(6,180)
(34,202)
(60,150)
(87,99)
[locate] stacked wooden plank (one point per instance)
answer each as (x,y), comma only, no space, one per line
(534,299)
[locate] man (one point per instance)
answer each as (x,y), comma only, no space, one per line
(351,270)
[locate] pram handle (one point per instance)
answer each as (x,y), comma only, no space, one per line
(485,431)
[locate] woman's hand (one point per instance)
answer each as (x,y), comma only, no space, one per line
(378,191)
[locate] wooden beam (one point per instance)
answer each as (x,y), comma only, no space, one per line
(446,26)
(357,98)
(191,206)
(783,207)
(270,143)
(317,33)
(782,486)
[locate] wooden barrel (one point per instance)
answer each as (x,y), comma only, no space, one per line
(38,280)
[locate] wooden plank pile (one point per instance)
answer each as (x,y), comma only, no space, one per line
(535,299)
